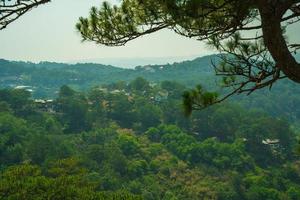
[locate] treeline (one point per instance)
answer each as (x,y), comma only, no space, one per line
(132,141)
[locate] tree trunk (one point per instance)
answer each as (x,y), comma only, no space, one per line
(271,13)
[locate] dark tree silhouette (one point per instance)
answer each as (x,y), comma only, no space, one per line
(11,10)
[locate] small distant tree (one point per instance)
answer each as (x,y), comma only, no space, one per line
(139,84)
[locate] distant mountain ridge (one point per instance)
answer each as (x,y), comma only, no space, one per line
(130,63)
(47,77)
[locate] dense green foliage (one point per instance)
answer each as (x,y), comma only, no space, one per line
(132,141)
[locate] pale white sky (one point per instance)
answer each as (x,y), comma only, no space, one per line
(48,33)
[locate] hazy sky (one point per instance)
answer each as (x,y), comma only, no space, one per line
(48,33)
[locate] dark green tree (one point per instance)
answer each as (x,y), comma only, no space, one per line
(140,85)
(74,109)
(121,106)
(18,100)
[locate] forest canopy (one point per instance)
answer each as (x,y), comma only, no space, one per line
(80,146)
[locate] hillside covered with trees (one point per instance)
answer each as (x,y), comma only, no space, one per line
(219,127)
(44,80)
(132,141)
